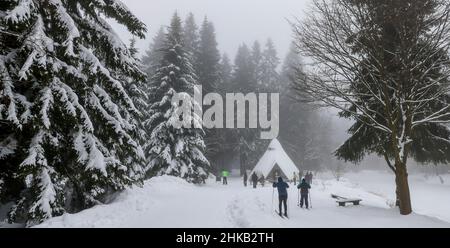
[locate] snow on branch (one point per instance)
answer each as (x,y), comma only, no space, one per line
(69,24)
(47,195)
(21,12)
(73,98)
(7,146)
(39,44)
(117,10)
(7,89)
(46,102)
(36,156)
(97,67)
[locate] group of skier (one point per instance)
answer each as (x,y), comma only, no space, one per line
(254,178)
(282,186)
(304,186)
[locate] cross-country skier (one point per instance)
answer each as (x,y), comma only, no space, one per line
(254,180)
(224,176)
(282,195)
(304,191)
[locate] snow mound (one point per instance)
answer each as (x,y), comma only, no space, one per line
(168,180)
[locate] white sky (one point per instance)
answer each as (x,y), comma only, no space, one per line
(236,21)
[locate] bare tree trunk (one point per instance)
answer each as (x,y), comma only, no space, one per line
(397,198)
(243,161)
(403,194)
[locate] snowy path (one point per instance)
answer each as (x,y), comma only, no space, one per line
(171,202)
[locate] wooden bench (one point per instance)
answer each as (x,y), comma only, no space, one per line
(342,200)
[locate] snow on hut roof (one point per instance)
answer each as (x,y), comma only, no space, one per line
(274,155)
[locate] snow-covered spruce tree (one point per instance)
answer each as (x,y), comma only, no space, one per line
(244,81)
(270,78)
(137,90)
(191,36)
(208,72)
(256,69)
(68,133)
(225,73)
(208,58)
(153,55)
(300,122)
(265,63)
(175,151)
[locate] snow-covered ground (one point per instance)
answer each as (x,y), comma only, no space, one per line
(171,202)
(429,196)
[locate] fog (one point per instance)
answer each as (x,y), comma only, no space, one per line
(236,21)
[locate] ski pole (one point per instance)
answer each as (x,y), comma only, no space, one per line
(298,197)
(288,208)
(273,190)
(310,202)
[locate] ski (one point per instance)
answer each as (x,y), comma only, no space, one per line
(282,216)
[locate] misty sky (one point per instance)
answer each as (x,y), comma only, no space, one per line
(236,21)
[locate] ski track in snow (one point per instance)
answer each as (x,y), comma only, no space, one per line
(171,202)
(236,214)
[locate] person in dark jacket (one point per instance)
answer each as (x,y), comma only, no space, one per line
(282,194)
(254,180)
(245,179)
(304,191)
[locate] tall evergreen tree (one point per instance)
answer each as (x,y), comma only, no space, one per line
(191,36)
(171,150)
(265,63)
(244,81)
(208,58)
(207,67)
(138,93)
(153,55)
(225,73)
(256,69)
(68,123)
(243,75)
(270,78)
(302,131)
(224,137)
